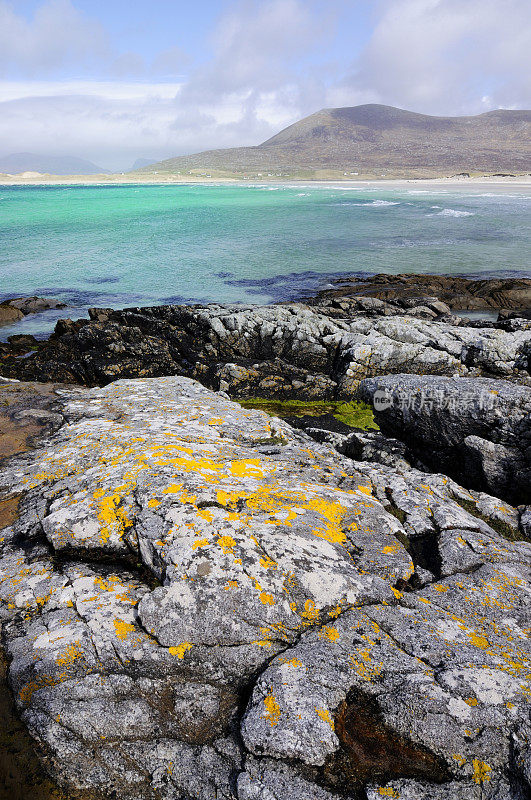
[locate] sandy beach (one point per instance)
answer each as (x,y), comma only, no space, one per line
(490,182)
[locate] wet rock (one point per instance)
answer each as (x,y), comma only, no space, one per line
(192,612)
(476,430)
(21,343)
(458,292)
(8,314)
(17,308)
(34,305)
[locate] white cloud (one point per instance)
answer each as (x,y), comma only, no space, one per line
(109,90)
(57,35)
(448,56)
(113,123)
(257,45)
(247,90)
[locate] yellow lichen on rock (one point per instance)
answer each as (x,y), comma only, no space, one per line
(180,649)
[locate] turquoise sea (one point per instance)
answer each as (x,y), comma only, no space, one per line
(130,245)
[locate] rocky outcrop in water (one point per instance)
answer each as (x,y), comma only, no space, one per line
(275,351)
(19,307)
(199,601)
(458,292)
(477,430)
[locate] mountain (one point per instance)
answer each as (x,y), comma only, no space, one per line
(370,138)
(142,162)
(53,165)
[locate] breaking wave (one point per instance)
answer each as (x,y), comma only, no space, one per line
(452,212)
(381,203)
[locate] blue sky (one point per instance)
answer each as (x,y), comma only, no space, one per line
(114,80)
(147,29)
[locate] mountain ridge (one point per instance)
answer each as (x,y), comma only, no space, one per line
(373,137)
(16,163)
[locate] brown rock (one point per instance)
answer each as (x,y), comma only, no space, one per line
(9,315)
(457,292)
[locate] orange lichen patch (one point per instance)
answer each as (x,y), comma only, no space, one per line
(122,628)
(310,611)
(173,488)
(247,467)
(472,701)
(27,692)
(267,563)
(365,489)
(180,649)
(201,465)
(388,791)
(206,514)
(226,543)
(188,498)
(364,666)
(228,499)
(389,549)
(478,641)
(330,633)
(107,586)
(273,710)
(291,662)
(333,513)
(216,421)
(111,516)
(69,655)
(482,772)
(271,499)
(266,598)
(199,543)
(324,713)
(231,585)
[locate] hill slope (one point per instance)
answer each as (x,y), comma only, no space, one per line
(54,165)
(370,138)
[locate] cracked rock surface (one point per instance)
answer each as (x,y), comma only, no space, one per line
(200,602)
(288,350)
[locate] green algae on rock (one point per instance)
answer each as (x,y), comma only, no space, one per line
(355,414)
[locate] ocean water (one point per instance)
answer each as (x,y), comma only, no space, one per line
(132,245)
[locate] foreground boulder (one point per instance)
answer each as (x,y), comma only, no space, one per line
(274,351)
(199,601)
(476,430)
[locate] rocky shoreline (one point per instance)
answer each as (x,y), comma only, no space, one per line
(294,350)
(459,292)
(201,600)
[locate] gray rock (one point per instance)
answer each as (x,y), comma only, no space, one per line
(371,446)
(191,612)
(476,430)
(285,350)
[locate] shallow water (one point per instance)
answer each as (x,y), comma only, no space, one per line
(139,245)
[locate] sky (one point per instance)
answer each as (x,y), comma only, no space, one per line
(117,80)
